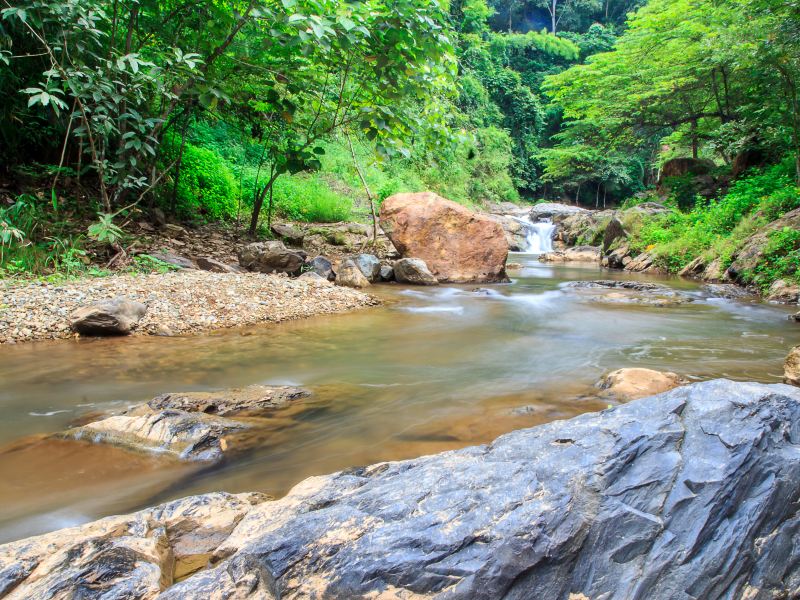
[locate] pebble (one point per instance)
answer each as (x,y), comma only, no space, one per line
(179,302)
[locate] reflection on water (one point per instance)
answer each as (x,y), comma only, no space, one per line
(433,369)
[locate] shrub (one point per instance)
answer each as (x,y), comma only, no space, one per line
(206,186)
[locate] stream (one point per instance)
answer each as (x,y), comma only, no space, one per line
(432,369)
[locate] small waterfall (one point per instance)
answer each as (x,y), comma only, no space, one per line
(538,236)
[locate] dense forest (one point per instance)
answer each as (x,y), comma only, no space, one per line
(316,110)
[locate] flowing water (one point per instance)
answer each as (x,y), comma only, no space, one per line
(432,369)
(538,235)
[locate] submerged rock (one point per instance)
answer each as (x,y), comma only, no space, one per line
(254,399)
(457,244)
(111,317)
(648,500)
(634,383)
(183,435)
(628,292)
(413,271)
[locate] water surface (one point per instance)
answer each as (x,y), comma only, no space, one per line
(433,369)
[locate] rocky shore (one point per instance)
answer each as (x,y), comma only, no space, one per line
(181,302)
(677,496)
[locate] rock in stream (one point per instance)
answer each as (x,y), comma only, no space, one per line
(686,495)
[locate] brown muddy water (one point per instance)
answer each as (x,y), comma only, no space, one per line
(434,369)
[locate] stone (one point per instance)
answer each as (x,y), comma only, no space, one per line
(288,233)
(694,269)
(111,317)
(322,267)
(176,433)
(369,265)
(349,275)
(576,254)
(751,252)
(387,272)
(614,231)
(133,556)
(206,263)
(795,317)
(645,500)
(583,227)
(619,257)
(159,218)
(271,257)
(640,263)
(791,368)
(313,276)
(413,271)
(629,384)
(173,259)
(628,292)
(729,291)
(515,231)
(171,230)
(251,400)
(783,292)
(553,210)
(457,244)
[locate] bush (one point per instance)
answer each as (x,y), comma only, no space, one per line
(206,186)
(781,258)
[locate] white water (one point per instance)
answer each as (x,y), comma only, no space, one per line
(538,236)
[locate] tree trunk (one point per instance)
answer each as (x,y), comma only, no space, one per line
(694,139)
(597,196)
(578,196)
(259,202)
(553,17)
(366,189)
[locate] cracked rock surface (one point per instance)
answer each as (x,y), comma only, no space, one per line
(691,494)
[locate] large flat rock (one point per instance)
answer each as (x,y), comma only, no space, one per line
(687,495)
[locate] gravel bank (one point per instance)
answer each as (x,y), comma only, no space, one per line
(182,302)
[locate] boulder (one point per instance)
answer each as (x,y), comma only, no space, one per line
(791,368)
(110,317)
(751,252)
(629,384)
(369,265)
(678,167)
(576,254)
(173,259)
(387,272)
(581,227)
(619,258)
(683,495)
(783,292)
(729,291)
(180,434)
(553,210)
(413,271)
(251,400)
(349,275)
(614,231)
(515,231)
(457,244)
(649,208)
(133,556)
(210,264)
(271,257)
(640,263)
(288,233)
(795,317)
(322,267)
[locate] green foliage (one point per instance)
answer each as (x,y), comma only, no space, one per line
(780,260)
(306,198)
(717,229)
(144,263)
(105,230)
(207,188)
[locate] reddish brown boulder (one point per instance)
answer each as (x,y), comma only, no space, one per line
(457,244)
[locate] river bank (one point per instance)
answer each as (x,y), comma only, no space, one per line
(178,303)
